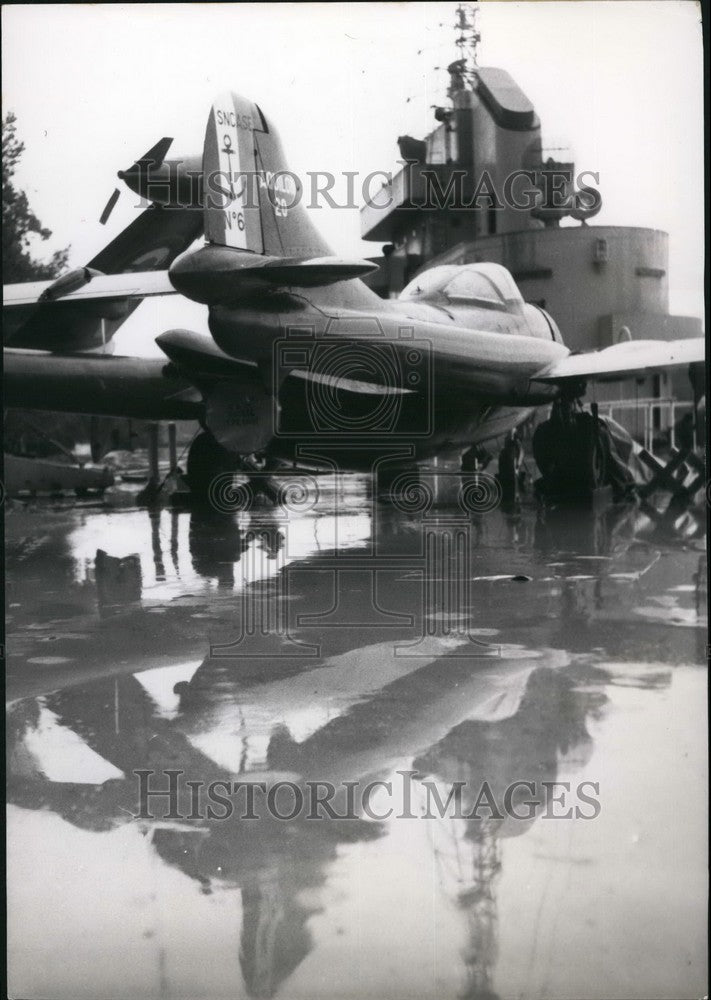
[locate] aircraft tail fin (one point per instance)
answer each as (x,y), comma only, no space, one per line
(252,201)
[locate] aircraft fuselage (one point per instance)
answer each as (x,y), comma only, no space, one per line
(406,372)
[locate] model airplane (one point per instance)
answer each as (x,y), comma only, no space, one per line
(305,363)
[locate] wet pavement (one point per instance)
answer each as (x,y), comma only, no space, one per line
(335,644)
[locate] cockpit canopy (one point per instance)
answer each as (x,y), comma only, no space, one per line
(487,286)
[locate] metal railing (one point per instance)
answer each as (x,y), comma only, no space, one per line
(646,407)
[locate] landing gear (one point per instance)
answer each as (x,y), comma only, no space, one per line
(207,459)
(260,482)
(571,452)
(511,474)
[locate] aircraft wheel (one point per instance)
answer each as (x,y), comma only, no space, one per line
(544,449)
(206,460)
(593,460)
(510,468)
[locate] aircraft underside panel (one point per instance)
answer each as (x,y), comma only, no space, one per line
(351,429)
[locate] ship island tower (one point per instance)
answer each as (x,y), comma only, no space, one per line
(601,283)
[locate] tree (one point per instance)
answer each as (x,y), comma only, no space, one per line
(19,222)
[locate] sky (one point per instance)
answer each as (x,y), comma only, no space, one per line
(619,84)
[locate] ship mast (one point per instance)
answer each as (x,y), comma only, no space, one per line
(462,72)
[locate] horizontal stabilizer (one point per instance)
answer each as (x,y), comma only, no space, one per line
(248,273)
(216,274)
(316,271)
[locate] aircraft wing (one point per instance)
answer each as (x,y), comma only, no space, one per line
(90,287)
(109,385)
(172,388)
(626,360)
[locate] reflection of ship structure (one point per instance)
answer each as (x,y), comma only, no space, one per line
(602,283)
(548,726)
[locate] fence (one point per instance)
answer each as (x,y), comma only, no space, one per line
(632,412)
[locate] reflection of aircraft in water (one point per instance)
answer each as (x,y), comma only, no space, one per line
(438,711)
(216,544)
(357,714)
(293,570)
